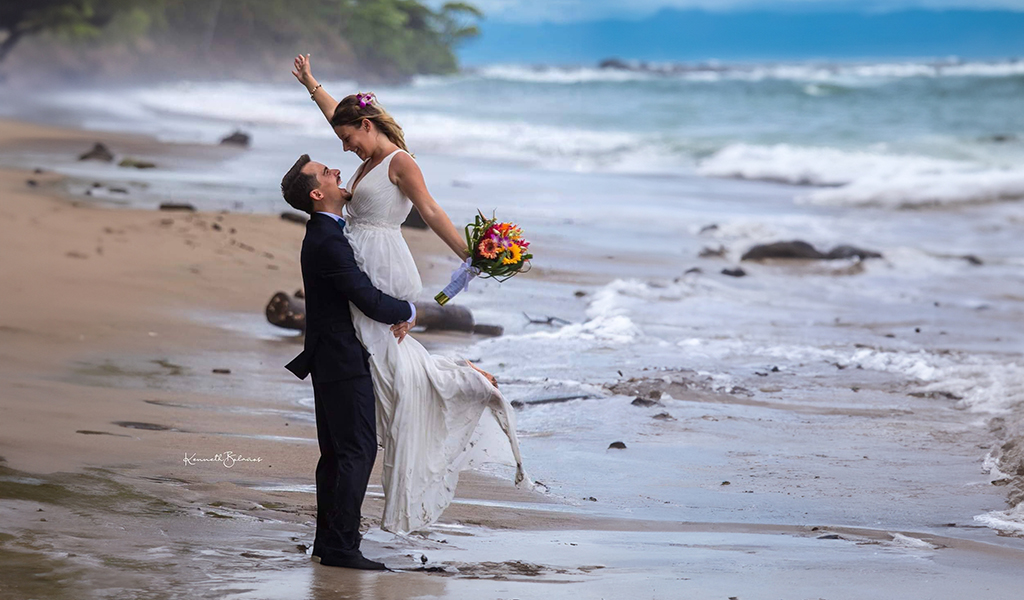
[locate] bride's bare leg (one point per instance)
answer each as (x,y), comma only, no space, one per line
(489,377)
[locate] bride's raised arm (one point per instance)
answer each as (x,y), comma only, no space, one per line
(304,73)
(409,179)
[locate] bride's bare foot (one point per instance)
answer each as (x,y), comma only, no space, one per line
(489,377)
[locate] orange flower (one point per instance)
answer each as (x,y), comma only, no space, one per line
(488,248)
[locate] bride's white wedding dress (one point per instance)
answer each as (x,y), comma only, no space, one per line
(427,406)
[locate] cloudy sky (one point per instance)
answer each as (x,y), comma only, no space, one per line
(532,11)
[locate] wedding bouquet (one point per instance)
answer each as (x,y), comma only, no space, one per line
(496,250)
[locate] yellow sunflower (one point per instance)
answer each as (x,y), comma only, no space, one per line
(514,255)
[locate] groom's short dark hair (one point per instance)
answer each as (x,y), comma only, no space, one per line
(296,186)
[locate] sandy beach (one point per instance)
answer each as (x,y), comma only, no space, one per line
(131,339)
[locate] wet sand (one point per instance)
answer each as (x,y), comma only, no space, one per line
(111,324)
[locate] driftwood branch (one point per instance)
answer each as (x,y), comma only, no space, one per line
(546,321)
(289,312)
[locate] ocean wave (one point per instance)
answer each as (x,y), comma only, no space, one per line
(1008,521)
(852,74)
(920,189)
(867,178)
(545,146)
(559,75)
(979,384)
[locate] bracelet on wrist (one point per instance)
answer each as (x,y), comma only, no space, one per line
(318,86)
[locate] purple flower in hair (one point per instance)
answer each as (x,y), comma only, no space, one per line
(366,99)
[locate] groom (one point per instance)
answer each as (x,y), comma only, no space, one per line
(342,388)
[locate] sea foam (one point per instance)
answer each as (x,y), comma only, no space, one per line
(851,74)
(868,178)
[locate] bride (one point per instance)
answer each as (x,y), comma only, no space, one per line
(428,406)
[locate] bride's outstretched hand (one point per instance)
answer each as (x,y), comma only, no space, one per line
(303,72)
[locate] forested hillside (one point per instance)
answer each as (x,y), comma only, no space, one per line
(111,39)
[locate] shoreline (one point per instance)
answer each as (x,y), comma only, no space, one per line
(101,324)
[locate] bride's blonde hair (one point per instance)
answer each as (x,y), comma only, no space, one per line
(354,108)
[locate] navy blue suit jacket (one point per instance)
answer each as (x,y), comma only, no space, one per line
(331,279)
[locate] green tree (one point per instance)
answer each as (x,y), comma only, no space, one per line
(78,18)
(398,38)
(390,38)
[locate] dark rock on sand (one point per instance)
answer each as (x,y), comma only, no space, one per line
(31,183)
(794,249)
(708,252)
(177,206)
(644,402)
(431,569)
(737,272)
(98,152)
(414,220)
(697,270)
(295,217)
(136,163)
(974,260)
(711,227)
(798,249)
(238,138)
(842,252)
(139,425)
(222,371)
(616,446)
(664,417)
(91,432)
(490,330)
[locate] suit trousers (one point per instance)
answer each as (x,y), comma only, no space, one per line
(346,429)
